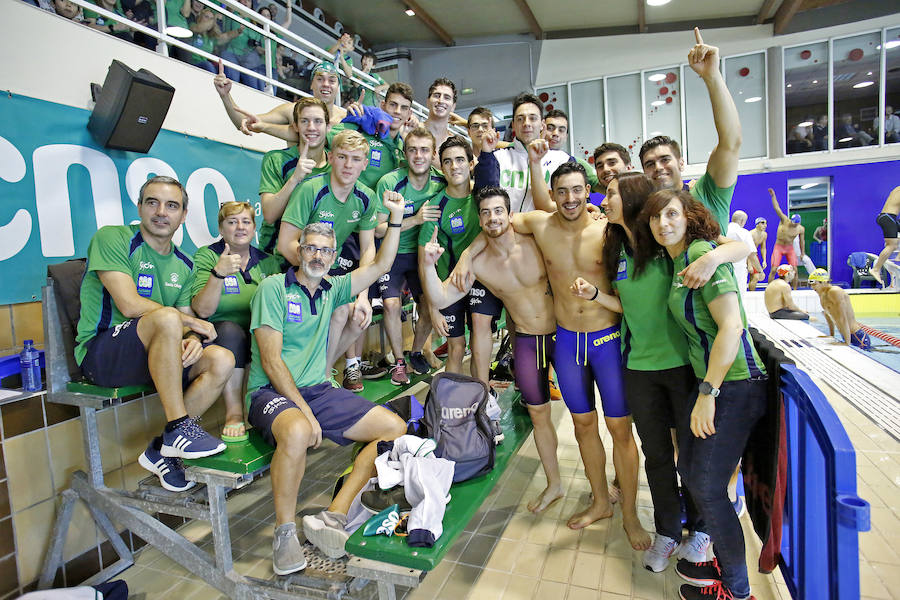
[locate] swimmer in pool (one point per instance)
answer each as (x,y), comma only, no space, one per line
(838,311)
(779,303)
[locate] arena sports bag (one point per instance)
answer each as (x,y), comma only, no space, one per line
(455,416)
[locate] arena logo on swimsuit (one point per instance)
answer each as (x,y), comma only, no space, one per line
(607,338)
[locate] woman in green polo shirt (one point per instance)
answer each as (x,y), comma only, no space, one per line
(731,396)
(226,275)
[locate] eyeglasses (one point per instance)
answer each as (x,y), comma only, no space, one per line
(312,250)
(484,126)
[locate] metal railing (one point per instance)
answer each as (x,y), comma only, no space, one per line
(822,513)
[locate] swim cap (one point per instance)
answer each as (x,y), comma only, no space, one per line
(820,276)
(326,67)
(760,220)
(795,218)
(783,270)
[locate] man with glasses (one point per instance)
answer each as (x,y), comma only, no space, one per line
(290,400)
(480,121)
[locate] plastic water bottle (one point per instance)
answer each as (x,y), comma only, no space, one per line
(30,366)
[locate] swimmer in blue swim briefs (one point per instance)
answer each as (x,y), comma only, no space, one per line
(838,311)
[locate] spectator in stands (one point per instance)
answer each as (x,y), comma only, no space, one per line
(291,400)
(342,49)
(137,327)
(111,26)
(556,132)
(820,133)
(206,36)
(373,99)
(42,4)
(800,138)
(731,396)
(141,12)
(246,49)
(846,134)
(69,10)
(226,275)
(270,12)
(779,303)
(891,125)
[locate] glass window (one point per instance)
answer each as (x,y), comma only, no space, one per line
(587,128)
(856,78)
(556,96)
(662,94)
(746,79)
(700,129)
(806,97)
(892,87)
(624,108)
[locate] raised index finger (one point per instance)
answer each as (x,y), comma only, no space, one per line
(221,67)
(697,35)
(434,236)
(305,148)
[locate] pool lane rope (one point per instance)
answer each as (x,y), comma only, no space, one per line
(890,339)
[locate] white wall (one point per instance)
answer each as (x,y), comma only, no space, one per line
(82,56)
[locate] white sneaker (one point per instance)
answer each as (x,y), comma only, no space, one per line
(693,548)
(656,557)
(326,532)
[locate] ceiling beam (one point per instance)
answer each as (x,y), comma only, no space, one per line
(533,24)
(764,11)
(812,4)
(785,13)
(433,25)
(642,17)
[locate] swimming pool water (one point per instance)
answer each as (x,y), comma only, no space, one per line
(882,351)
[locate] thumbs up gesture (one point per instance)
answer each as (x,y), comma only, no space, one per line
(228,263)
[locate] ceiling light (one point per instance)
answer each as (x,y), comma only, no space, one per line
(753,99)
(466,91)
(846,139)
(410,12)
(790,85)
(863,84)
(869,73)
(657,2)
(805,124)
(658,103)
(806,186)
(892,44)
(179,32)
(657,77)
(815,81)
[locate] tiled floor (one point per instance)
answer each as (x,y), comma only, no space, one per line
(508,553)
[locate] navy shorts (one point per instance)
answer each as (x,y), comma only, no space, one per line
(116,357)
(456,315)
(336,410)
(348,259)
(483,302)
(232,336)
(582,359)
(404,270)
(890,225)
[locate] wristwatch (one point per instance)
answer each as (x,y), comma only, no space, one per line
(215,274)
(707,389)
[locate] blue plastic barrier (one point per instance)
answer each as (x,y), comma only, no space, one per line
(822,513)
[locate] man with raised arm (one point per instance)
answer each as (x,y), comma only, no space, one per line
(340,200)
(513,270)
(417,185)
(137,328)
(661,156)
(441,103)
(283,170)
(788,229)
(511,168)
(290,400)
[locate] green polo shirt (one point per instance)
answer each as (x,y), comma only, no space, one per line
(691,311)
(277,168)
(163,278)
(313,202)
(591,173)
(398,181)
(457,226)
(174,18)
(385,155)
(302,319)
(651,340)
(238,289)
(716,199)
(370,98)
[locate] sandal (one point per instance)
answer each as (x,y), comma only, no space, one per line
(235,432)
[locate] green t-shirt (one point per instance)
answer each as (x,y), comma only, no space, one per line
(457,226)
(204,42)
(313,202)
(651,340)
(385,155)
(371,98)
(238,289)
(101,20)
(591,173)
(277,168)
(164,279)
(302,319)
(398,181)
(240,45)
(691,311)
(174,18)
(716,199)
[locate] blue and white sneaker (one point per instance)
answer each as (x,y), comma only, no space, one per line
(189,440)
(169,470)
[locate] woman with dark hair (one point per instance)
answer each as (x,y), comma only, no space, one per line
(658,378)
(731,396)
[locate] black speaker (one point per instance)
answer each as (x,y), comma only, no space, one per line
(130,109)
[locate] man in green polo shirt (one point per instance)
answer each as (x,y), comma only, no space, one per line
(290,400)
(283,170)
(372,98)
(418,185)
(339,199)
(137,328)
